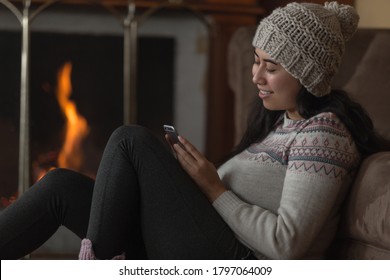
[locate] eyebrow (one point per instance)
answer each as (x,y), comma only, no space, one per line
(266,59)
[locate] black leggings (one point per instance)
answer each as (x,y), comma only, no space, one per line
(142,203)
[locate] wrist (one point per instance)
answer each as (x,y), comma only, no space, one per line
(217,191)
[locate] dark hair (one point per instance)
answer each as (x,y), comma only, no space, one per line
(261,120)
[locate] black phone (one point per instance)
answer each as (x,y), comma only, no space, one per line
(172,133)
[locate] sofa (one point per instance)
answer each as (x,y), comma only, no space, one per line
(364,231)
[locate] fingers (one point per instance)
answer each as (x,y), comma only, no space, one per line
(184,156)
(189,157)
(190,148)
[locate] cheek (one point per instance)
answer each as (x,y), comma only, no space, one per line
(292,98)
(290,86)
(295,89)
(287,91)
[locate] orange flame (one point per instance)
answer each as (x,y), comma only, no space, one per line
(77,129)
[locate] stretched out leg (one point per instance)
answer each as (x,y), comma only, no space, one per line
(62,197)
(145,204)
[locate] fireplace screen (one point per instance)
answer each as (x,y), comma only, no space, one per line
(76,99)
(77,90)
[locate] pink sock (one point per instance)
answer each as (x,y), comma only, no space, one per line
(86,251)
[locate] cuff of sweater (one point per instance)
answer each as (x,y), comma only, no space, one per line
(227,203)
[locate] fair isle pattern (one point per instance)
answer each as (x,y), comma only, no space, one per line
(320,145)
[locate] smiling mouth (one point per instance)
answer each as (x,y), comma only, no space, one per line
(265,92)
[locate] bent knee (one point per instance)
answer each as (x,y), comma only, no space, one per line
(59,174)
(133,132)
(65,180)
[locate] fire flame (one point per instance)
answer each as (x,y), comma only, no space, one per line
(71,155)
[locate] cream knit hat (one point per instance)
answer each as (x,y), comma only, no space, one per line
(308,40)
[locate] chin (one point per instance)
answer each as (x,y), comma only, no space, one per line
(273,107)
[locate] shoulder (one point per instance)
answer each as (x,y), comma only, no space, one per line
(325,140)
(327,123)
(325,131)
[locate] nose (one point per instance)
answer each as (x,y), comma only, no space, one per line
(258,77)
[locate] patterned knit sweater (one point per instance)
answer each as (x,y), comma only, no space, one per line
(285,192)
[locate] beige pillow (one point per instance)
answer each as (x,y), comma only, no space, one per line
(370,84)
(367,212)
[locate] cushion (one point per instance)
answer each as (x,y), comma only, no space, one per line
(367,212)
(370,84)
(355,49)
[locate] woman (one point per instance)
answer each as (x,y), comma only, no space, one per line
(277,197)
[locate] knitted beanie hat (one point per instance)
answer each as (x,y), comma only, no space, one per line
(308,40)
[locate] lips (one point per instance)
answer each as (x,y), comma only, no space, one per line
(264,93)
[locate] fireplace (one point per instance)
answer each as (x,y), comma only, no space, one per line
(94,47)
(95,74)
(171,78)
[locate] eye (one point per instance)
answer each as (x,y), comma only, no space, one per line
(270,70)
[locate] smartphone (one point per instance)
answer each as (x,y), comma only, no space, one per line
(173,135)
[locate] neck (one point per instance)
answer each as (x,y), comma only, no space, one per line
(294,115)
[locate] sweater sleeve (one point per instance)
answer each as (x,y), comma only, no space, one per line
(320,160)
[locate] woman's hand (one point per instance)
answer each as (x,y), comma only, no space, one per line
(200,169)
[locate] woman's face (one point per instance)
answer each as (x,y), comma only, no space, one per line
(277,88)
